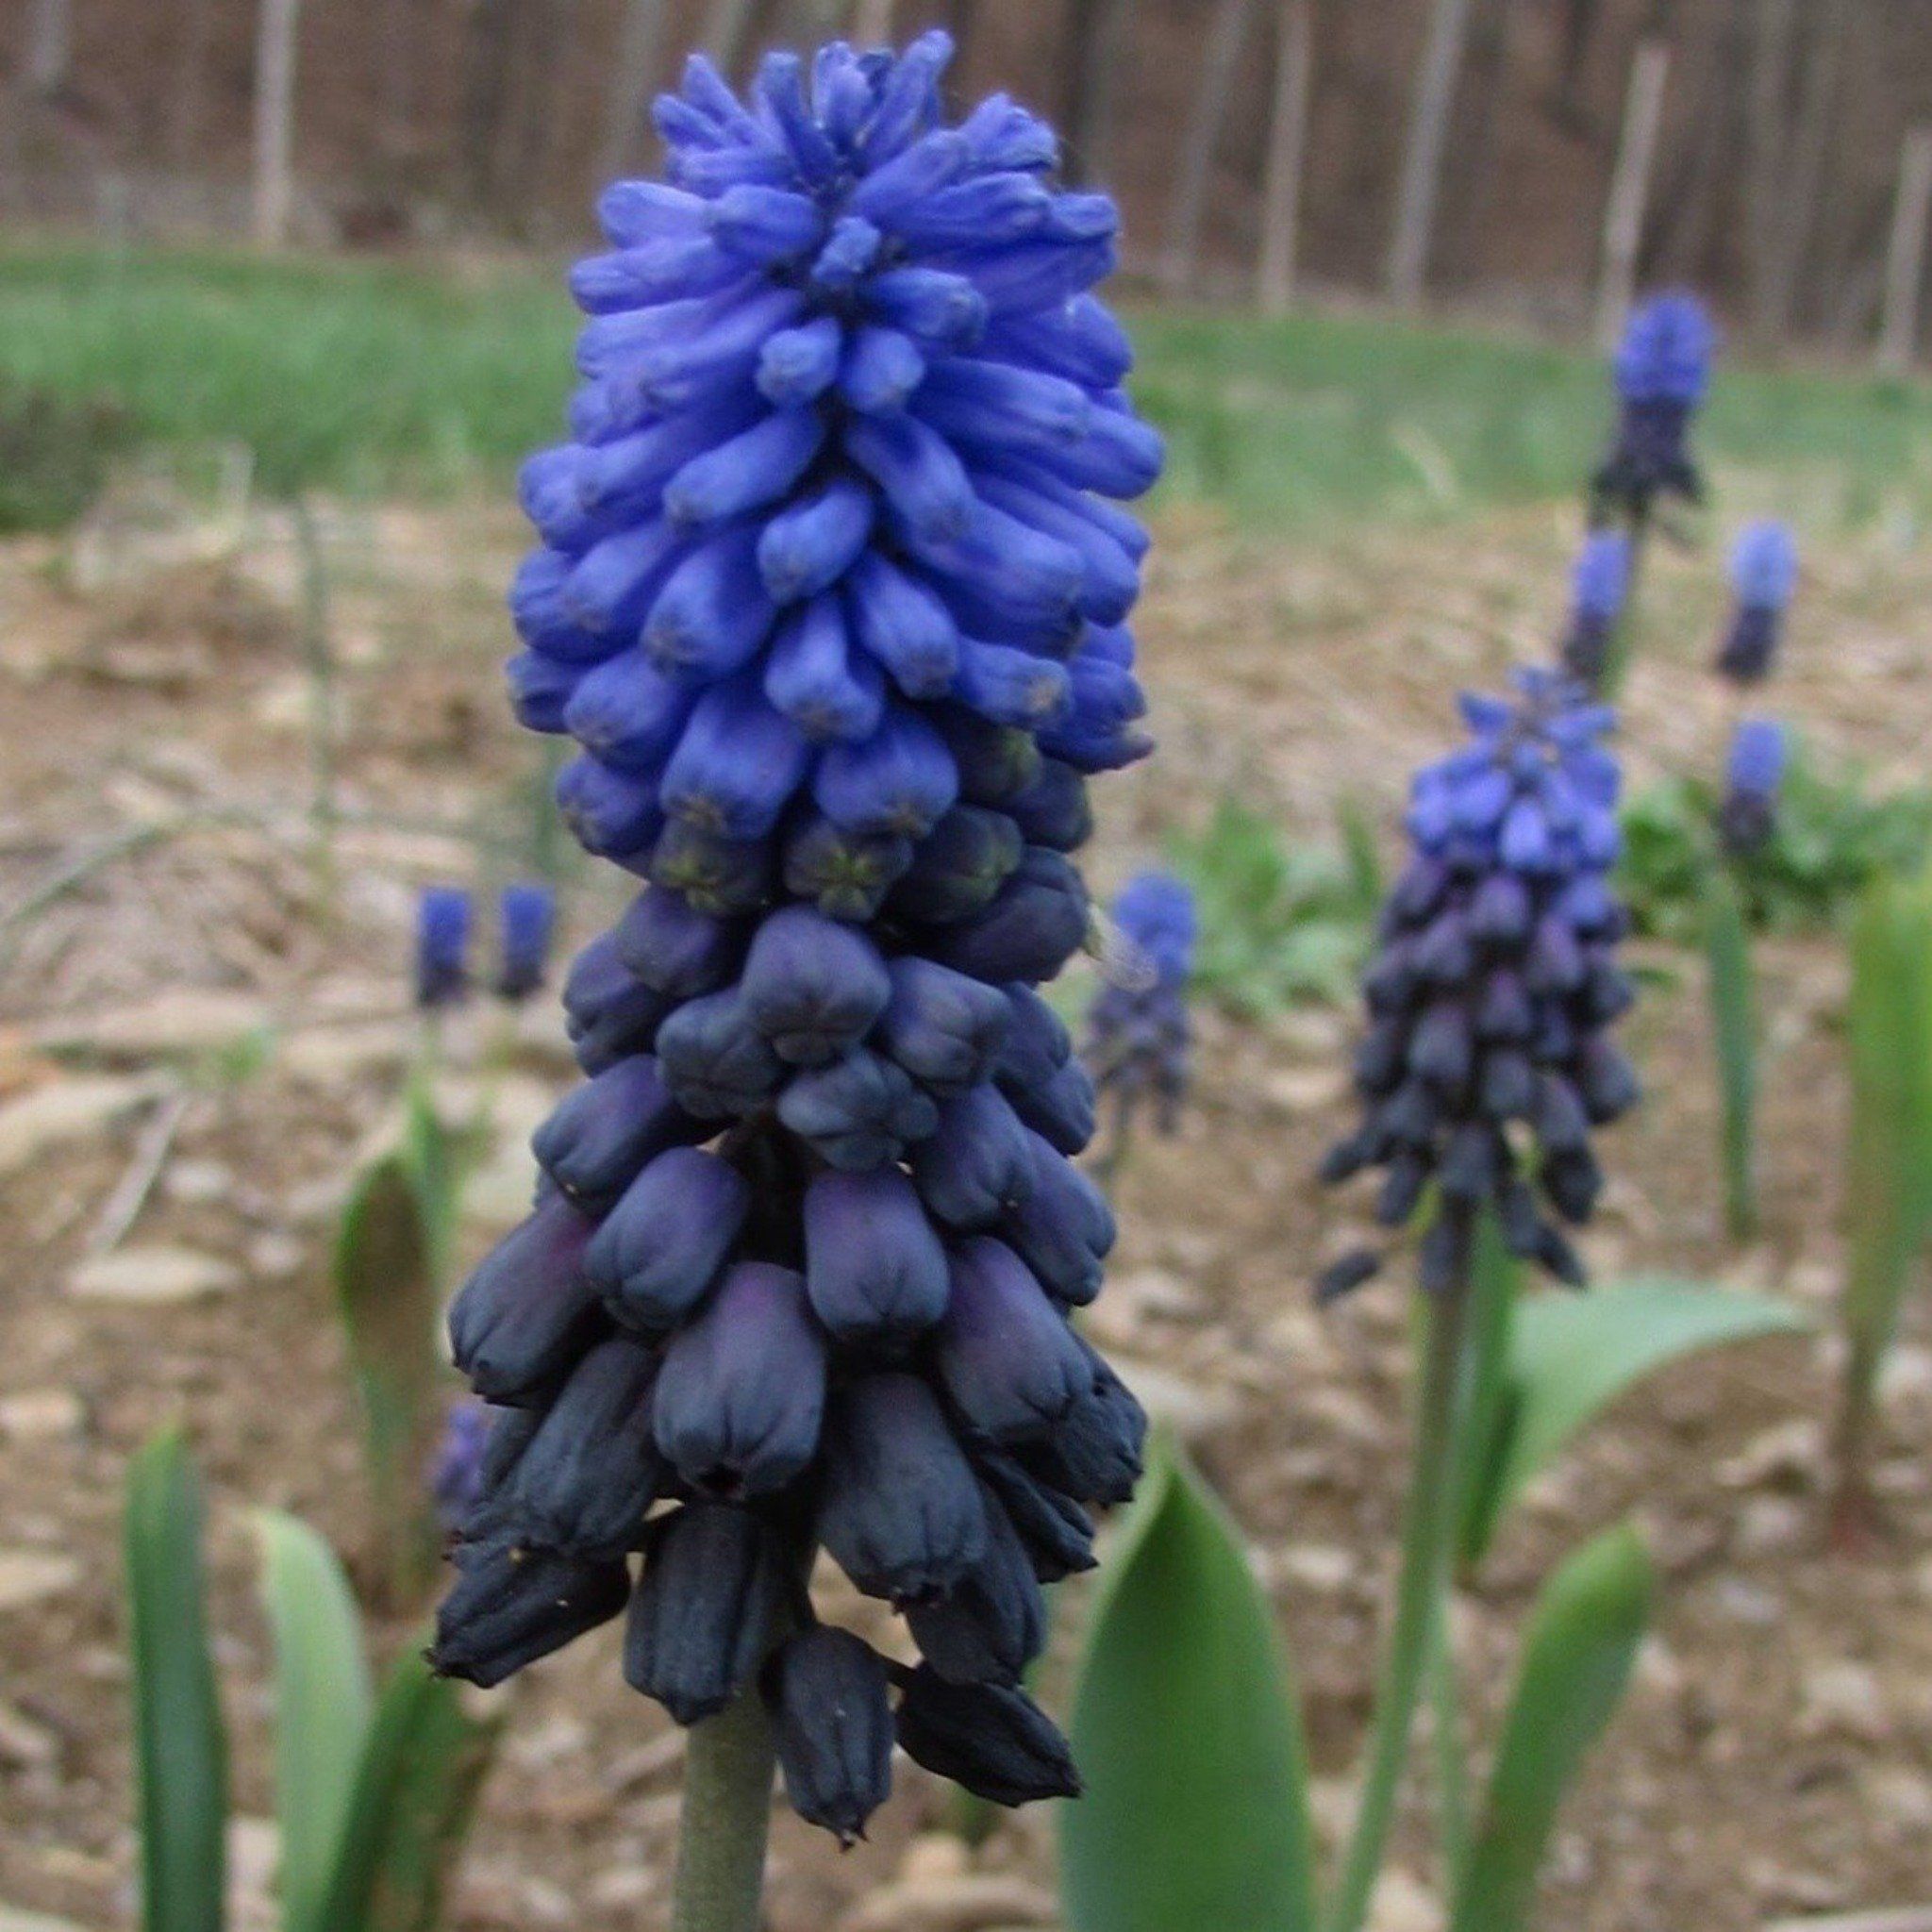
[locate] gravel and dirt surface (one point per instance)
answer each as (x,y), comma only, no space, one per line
(169,903)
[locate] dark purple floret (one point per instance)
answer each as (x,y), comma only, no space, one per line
(1487,1061)
(1138,1032)
(1662,373)
(442,947)
(830,591)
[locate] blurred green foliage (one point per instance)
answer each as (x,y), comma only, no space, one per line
(378,377)
(1281,920)
(1835,834)
(55,453)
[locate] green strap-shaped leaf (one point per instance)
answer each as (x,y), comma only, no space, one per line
(385,1270)
(1583,1635)
(414,1799)
(1188,1732)
(1734,1027)
(1572,1355)
(321,1708)
(180,1750)
(1489,1394)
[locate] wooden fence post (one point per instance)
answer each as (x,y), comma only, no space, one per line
(1183,239)
(1905,255)
(1644,107)
(640,59)
(274,121)
(1421,159)
(1288,136)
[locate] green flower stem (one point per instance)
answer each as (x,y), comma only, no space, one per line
(1452,1770)
(1426,1534)
(727,1810)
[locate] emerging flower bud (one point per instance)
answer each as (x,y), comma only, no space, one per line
(529,1311)
(993,1740)
(512,1606)
(1005,1354)
(874,1268)
(832,1722)
(664,1243)
(706,1610)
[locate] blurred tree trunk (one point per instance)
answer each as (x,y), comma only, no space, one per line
(1630,188)
(1822,65)
(1090,60)
(395,49)
(1484,86)
(274,122)
(1421,162)
(1695,208)
(871,22)
(960,17)
(1580,19)
(49,64)
(1905,256)
(1218,67)
(1288,141)
(1768,126)
(188,108)
(485,99)
(636,74)
(727,31)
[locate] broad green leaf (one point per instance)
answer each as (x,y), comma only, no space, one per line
(1572,1355)
(1583,1635)
(181,1751)
(385,1260)
(1734,1026)
(414,1800)
(1888,1186)
(1187,1731)
(1488,1397)
(321,1708)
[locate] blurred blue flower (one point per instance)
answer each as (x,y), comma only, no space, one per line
(1137,1035)
(526,924)
(1494,988)
(1754,775)
(455,1474)
(1600,582)
(1764,573)
(830,591)
(443,946)
(1662,371)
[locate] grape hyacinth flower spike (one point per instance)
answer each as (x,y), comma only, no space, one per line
(1137,1034)
(442,947)
(1600,584)
(1754,775)
(830,591)
(1493,989)
(1663,370)
(526,924)
(1764,573)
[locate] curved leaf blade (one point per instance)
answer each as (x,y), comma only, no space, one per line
(1584,1633)
(1187,1731)
(322,1707)
(180,1748)
(1572,1355)
(414,1800)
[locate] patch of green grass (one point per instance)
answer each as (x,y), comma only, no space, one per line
(381,377)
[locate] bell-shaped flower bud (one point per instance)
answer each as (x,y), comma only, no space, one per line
(736,766)
(832,1722)
(722,878)
(1004,1353)
(900,1509)
(845,874)
(706,1610)
(714,1060)
(609,1014)
(811,986)
(676,949)
(959,867)
(511,1605)
(599,1135)
(593,1469)
(664,1243)
(873,1267)
(992,1740)
(814,675)
(946,1030)
(1034,924)
(1063,1229)
(1095,1454)
(900,780)
(529,1311)
(742,1390)
(859,1113)
(992,1622)
(977,1163)
(1057,1533)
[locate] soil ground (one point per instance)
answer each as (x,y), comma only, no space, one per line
(1775,1754)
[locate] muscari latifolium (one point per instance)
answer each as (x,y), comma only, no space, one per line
(830,592)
